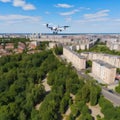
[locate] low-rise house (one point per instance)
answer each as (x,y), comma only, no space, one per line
(21,47)
(9,46)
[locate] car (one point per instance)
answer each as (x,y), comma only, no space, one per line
(111,91)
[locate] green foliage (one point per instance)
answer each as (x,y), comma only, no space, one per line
(50,106)
(63,81)
(118,70)
(58,50)
(43,45)
(89,92)
(89,63)
(117,89)
(64,103)
(80,111)
(86,93)
(77,108)
(87,71)
(99,117)
(85,117)
(110,112)
(101,48)
(35,115)
(85,110)
(78,96)
(13,40)
(66,77)
(4,113)
(22,116)
(94,95)
(19,88)
(70,117)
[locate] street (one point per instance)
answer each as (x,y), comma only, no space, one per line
(111,96)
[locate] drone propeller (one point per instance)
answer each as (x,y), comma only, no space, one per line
(47,24)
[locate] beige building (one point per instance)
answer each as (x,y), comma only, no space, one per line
(104,71)
(114,45)
(111,59)
(82,41)
(85,44)
(77,60)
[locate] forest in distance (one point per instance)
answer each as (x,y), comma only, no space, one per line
(21,89)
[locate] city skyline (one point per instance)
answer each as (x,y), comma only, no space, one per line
(19,16)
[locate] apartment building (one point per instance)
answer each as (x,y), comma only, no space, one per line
(104,71)
(111,59)
(77,60)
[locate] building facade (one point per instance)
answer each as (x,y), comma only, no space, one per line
(104,71)
(77,60)
(113,45)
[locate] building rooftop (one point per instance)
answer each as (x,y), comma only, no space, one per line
(104,54)
(104,64)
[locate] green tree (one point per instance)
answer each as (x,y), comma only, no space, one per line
(58,50)
(85,117)
(117,89)
(94,95)
(64,103)
(86,93)
(22,116)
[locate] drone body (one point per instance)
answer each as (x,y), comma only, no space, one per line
(56,29)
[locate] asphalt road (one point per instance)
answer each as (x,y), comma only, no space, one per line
(111,96)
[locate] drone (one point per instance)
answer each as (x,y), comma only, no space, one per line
(56,29)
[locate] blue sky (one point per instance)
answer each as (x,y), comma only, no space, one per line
(83,16)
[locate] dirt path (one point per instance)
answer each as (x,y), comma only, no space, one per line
(38,106)
(95,110)
(72,96)
(47,89)
(68,111)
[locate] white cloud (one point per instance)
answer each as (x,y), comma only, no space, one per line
(20,3)
(64,6)
(23,4)
(18,18)
(13,23)
(69,13)
(5,1)
(102,13)
(92,20)
(73,11)
(117,20)
(47,13)
(84,8)
(100,16)
(28,7)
